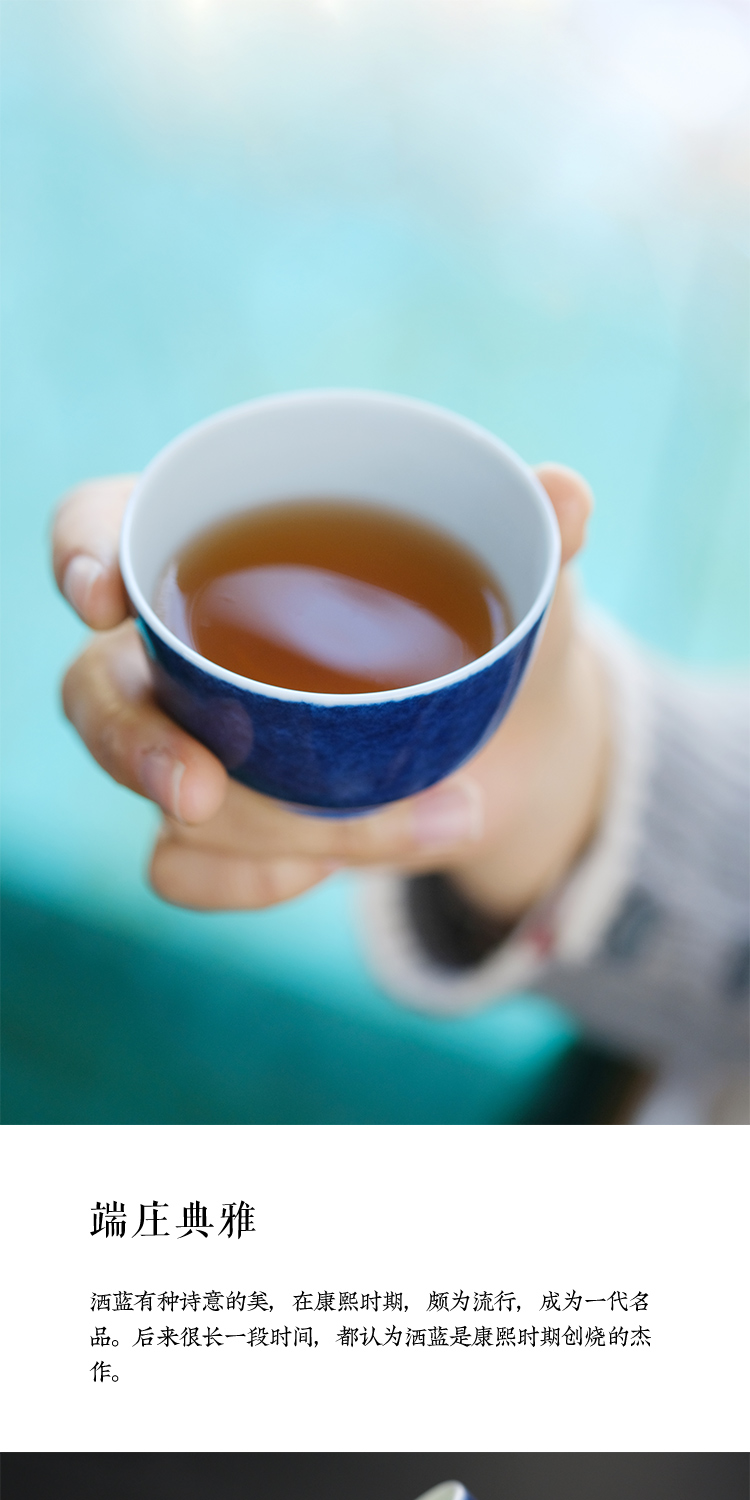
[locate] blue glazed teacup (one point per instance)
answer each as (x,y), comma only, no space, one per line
(328,752)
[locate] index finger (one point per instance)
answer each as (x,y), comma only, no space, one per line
(85,539)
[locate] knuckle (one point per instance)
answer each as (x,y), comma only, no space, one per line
(269,882)
(119,744)
(159,873)
(262,883)
(69,691)
(166,874)
(111,747)
(78,689)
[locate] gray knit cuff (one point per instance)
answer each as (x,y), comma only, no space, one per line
(570,923)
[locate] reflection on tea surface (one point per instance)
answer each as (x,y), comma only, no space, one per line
(325,596)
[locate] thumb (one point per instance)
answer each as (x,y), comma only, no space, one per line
(572,502)
(85,537)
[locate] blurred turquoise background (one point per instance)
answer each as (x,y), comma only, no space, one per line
(533,213)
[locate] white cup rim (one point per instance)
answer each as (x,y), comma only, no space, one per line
(389,695)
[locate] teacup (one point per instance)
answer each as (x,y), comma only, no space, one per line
(326,752)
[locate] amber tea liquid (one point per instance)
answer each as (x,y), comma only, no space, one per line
(328,597)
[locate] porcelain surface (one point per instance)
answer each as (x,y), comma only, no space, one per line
(343,754)
(349,757)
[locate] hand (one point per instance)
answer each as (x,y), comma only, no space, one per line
(506,826)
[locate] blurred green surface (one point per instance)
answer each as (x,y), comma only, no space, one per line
(126,1031)
(488,207)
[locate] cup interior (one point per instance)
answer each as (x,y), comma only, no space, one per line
(362,447)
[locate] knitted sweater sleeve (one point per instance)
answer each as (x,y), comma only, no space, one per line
(646,940)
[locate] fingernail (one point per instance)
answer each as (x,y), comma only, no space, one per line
(80,576)
(160,776)
(448,816)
